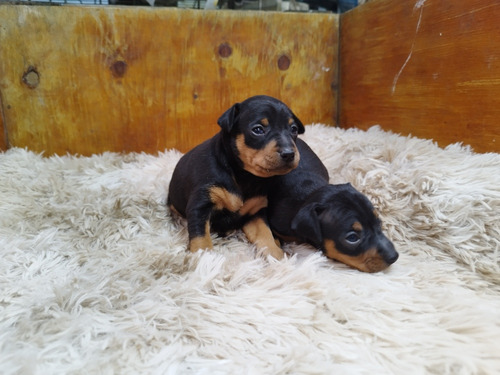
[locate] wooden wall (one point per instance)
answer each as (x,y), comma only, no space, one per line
(3,130)
(426,67)
(92,79)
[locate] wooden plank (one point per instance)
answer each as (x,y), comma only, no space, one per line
(3,131)
(91,79)
(428,67)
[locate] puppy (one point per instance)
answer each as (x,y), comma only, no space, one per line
(222,184)
(337,219)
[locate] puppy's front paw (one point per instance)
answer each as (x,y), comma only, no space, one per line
(203,243)
(274,251)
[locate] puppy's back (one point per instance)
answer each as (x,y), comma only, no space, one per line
(192,169)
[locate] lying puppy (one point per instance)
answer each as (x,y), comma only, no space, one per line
(222,184)
(337,219)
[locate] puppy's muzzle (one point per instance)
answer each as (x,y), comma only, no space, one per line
(287,154)
(387,251)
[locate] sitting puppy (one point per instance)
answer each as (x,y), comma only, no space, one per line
(222,184)
(337,219)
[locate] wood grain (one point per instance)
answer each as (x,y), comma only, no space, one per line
(428,68)
(91,79)
(3,131)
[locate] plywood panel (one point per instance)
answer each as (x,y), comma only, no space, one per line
(426,67)
(3,139)
(89,79)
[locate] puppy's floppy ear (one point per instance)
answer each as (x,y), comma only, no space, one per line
(228,118)
(306,223)
(299,124)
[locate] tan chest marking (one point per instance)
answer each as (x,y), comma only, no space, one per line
(223,199)
(253,205)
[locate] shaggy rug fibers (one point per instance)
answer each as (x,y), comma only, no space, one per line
(95,277)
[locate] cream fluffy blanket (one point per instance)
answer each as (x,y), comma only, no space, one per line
(95,277)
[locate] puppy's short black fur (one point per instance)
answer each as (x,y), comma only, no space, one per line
(222,184)
(337,219)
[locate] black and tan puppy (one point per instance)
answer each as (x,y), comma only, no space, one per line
(337,219)
(222,184)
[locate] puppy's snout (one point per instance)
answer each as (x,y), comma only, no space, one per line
(387,250)
(287,154)
(391,258)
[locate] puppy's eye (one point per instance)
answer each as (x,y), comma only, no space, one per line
(294,128)
(258,129)
(352,238)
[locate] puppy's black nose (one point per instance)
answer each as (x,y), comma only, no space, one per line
(287,154)
(391,258)
(387,250)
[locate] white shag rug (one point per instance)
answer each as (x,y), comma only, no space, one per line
(95,277)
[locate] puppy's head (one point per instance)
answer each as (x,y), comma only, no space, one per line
(262,131)
(341,221)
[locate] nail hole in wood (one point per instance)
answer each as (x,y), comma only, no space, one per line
(31,78)
(225,50)
(283,62)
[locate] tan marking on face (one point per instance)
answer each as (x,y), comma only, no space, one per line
(369,261)
(258,233)
(265,162)
(357,226)
(264,122)
(291,121)
(203,242)
(221,198)
(253,205)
